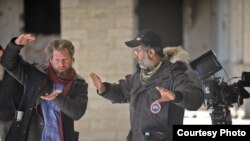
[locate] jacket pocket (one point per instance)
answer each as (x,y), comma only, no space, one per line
(155,134)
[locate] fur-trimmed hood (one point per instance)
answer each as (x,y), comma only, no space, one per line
(175,54)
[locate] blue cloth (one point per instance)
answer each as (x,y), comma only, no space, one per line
(51,116)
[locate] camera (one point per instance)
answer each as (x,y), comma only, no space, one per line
(219,95)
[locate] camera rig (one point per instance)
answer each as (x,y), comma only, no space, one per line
(219,95)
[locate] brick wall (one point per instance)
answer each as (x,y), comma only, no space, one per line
(98,29)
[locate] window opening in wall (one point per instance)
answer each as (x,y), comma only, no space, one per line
(42,16)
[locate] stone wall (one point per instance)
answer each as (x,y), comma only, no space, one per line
(11,20)
(98,29)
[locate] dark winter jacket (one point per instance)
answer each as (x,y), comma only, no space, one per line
(171,76)
(10,95)
(36,83)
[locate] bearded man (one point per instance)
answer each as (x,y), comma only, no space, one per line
(159,91)
(54,95)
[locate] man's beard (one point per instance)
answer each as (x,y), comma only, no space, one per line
(146,63)
(61,75)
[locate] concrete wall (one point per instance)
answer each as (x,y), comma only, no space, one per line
(197,21)
(11,19)
(222,26)
(98,29)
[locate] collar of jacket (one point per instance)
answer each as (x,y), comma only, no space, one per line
(175,54)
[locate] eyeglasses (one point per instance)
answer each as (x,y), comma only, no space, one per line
(136,51)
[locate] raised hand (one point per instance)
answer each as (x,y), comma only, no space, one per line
(24,39)
(166,95)
(97,83)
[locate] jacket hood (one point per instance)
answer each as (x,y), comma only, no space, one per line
(175,54)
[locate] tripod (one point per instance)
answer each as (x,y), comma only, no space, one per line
(221,116)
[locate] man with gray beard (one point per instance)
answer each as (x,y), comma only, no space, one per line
(11,92)
(159,91)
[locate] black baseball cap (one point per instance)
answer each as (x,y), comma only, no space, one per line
(146,37)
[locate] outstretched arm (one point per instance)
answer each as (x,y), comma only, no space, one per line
(97,83)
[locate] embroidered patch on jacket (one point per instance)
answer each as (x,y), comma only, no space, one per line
(155,107)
